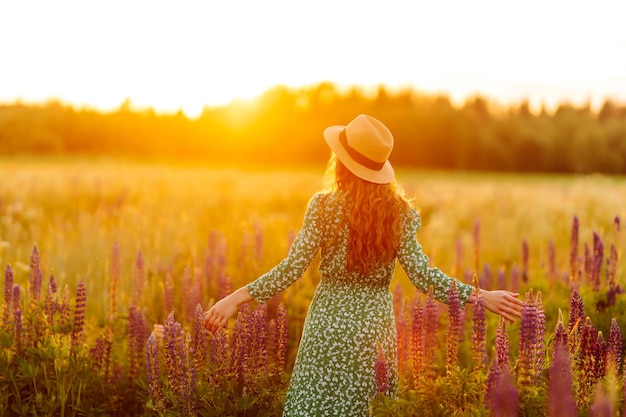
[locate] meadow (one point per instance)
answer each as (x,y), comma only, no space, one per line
(107,261)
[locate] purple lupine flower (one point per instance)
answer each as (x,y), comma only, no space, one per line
(174,351)
(479,330)
(281,337)
(100,353)
(540,338)
(115,277)
(200,339)
(15,297)
(403,340)
(382,372)
(551,260)
(514,278)
(50,303)
(431,322)
(8,295)
(528,339)
(18,327)
(614,348)
(585,363)
(602,405)
(79,314)
(525,254)
(260,341)
(417,340)
(576,320)
(560,337)
(217,355)
(598,260)
(502,344)
(560,395)
(136,340)
(505,396)
(573,252)
(35,275)
(452,341)
(501,278)
(599,354)
(487,281)
(239,345)
(153,373)
(139,279)
(476,239)
(187,398)
(495,370)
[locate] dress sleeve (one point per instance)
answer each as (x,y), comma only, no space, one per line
(301,253)
(415,264)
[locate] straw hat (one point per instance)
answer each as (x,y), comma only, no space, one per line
(363,146)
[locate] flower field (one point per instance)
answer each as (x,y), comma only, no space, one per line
(109,265)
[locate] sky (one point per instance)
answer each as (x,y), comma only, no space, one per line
(187,54)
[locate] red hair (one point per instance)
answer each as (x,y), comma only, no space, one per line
(374,214)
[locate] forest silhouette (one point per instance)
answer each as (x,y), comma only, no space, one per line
(283,127)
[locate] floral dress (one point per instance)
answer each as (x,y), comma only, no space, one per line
(350,314)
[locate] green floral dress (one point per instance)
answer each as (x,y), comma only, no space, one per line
(349,316)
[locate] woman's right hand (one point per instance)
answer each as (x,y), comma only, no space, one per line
(217,317)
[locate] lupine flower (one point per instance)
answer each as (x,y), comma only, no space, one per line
(403,339)
(505,397)
(541,337)
(8,295)
(115,277)
(100,352)
(573,254)
(495,370)
(239,345)
(588,264)
(614,348)
(382,372)
(153,373)
(613,262)
(417,340)
(260,339)
(598,259)
(585,364)
(217,355)
(281,337)
(200,340)
(479,330)
(174,351)
(79,314)
(487,281)
(136,340)
(502,344)
(139,279)
(18,329)
(525,254)
(528,339)
(560,335)
(188,398)
(560,398)
(50,303)
(35,275)
(225,285)
(576,320)
(514,278)
(168,295)
(431,322)
(599,354)
(452,344)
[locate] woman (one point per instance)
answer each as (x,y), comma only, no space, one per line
(361,227)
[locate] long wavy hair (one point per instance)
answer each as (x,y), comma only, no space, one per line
(373,213)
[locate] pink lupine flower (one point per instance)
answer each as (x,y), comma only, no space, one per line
(452,344)
(479,330)
(281,337)
(431,322)
(573,254)
(35,275)
(505,397)
(403,342)
(525,254)
(602,405)
(614,348)
(495,370)
(417,340)
(8,295)
(560,336)
(137,336)
(382,372)
(540,338)
(560,395)
(153,373)
(79,314)
(528,339)
(502,344)
(514,278)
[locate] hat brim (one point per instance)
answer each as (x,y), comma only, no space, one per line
(383,176)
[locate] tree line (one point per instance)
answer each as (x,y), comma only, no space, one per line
(284,127)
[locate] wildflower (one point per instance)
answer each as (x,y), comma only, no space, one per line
(417,340)
(598,259)
(528,339)
(35,275)
(495,370)
(505,397)
(8,295)
(18,328)
(585,364)
(452,344)
(560,335)
(614,347)
(576,319)
(79,314)
(50,303)
(281,337)
(64,309)
(573,254)
(153,373)
(514,278)
(403,339)
(168,295)
(560,398)
(602,405)
(525,261)
(541,337)
(136,340)
(431,322)
(225,285)
(115,277)
(174,350)
(100,352)
(199,338)
(599,354)
(217,355)
(479,330)
(260,339)
(502,344)
(382,372)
